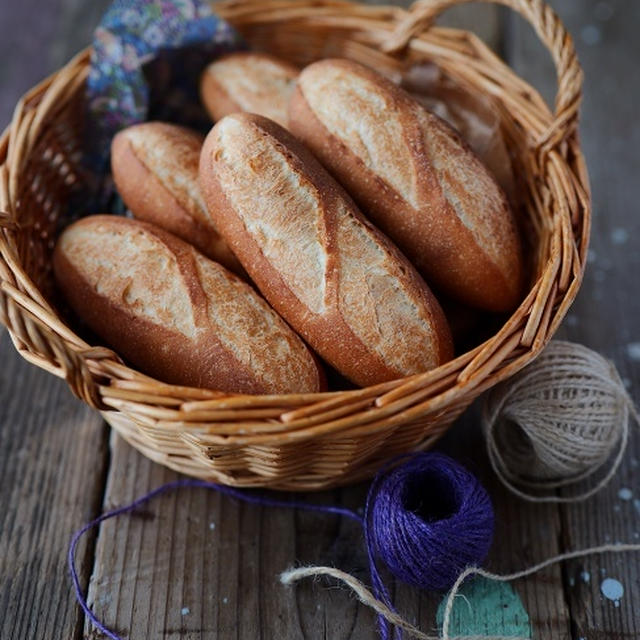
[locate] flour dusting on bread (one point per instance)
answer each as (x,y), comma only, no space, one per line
(176,314)
(332,276)
(251,82)
(470,190)
(414,178)
(282,213)
(377,146)
(376,302)
(249,328)
(123,264)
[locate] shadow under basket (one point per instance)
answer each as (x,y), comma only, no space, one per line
(312,441)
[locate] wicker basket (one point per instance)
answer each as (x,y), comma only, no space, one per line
(316,440)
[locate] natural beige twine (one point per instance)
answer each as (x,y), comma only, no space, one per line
(557,422)
(366,597)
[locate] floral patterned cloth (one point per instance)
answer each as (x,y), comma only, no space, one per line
(146,61)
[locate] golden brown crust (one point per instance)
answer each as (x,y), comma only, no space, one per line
(474,116)
(314,257)
(155,169)
(248,81)
(175,314)
(434,198)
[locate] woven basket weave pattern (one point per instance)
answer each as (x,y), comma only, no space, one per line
(314,440)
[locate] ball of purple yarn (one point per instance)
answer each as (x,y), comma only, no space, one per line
(429,519)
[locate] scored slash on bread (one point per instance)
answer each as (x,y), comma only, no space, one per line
(336,279)
(155,169)
(414,178)
(175,314)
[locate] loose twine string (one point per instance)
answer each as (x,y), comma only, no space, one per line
(291,576)
(382,607)
(426,553)
(171,486)
(367,598)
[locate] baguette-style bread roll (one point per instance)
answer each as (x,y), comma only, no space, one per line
(336,279)
(415,178)
(175,314)
(252,82)
(155,169)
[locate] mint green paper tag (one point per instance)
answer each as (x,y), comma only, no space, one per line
(486,608)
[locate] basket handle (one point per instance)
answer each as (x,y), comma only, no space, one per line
(549,29)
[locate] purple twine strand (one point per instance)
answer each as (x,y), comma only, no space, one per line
(178,484)
(428,519)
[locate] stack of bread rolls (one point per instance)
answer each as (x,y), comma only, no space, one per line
(260,250)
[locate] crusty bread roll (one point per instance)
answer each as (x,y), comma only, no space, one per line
(175,314)
(252,82)
(336,279)
(155,169)
(415,178)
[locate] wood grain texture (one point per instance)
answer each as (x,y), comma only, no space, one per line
(19,68)
(74,28)
(144,576)
(37,38)
(52,468)
(198,551)
(195,564)
(605,314)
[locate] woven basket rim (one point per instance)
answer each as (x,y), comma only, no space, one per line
(98,376)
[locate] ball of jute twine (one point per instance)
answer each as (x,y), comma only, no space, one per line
(557,422)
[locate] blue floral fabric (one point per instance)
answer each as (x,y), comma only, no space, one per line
(146,61)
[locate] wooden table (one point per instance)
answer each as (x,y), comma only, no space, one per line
(197,565)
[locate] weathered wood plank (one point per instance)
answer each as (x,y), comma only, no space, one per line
(75,24)
(220,560)
(22,24)
(60,28)
(52,471)
(605,314)
(197,564)
(524,533)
